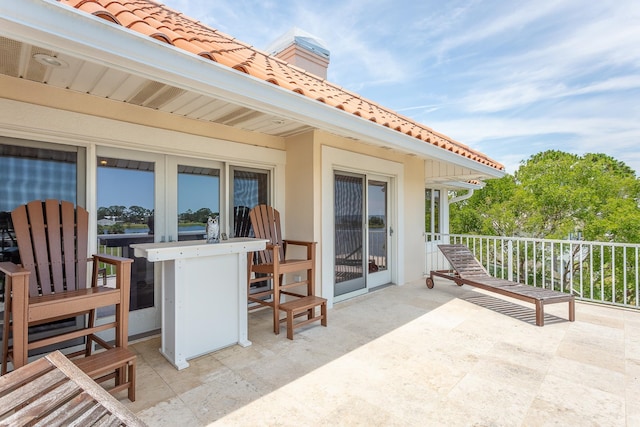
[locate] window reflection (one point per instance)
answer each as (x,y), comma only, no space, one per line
(377,207)
(125,216)
(29,173)
(348,238)
(250,188)
(32,172)
(198,198)
(432,211)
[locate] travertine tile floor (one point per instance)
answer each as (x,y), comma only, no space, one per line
(405,356)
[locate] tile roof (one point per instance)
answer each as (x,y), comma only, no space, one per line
(172,27)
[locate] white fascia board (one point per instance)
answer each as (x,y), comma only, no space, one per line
(48,24)
(463,185)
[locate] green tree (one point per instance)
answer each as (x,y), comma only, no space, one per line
(116,229)
(376,222)
(202,214)
(187,216)
(116,211)
(102,212)
(553,194)
(485,213)
(137,214)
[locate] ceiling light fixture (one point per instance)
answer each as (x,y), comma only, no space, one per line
(49,61)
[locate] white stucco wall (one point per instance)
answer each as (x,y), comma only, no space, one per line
(301,166)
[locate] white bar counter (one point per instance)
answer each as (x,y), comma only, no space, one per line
(204,295)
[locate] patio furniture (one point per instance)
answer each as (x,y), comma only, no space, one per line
(50,284)
(109,364)
(468,271)
(300,306)
(52,391)
(204,295)
(272,264)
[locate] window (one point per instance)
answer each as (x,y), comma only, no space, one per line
(249,188)
(30,173)
(126,206)
(198,199)
(432,211)
(31,170)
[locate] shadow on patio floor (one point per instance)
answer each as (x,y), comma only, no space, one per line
(409,356)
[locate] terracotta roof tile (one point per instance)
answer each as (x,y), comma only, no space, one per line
(92,8)
(117,8)
(172,27)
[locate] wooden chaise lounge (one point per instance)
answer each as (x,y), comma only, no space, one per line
(468,271)
(53,391)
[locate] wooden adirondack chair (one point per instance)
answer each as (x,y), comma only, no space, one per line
(272,264)
(50,284)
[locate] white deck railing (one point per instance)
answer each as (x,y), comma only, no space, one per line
(593,271)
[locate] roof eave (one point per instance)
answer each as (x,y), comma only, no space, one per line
(459,185)
(49,24)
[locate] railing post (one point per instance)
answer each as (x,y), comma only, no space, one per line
(510,259)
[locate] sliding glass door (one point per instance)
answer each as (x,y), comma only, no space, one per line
(349,234)
(378,232)
(140,197)
(126,214)
(362,234)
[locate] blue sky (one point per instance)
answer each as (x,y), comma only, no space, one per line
(509,78)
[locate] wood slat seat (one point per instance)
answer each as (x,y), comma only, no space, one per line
(468,271)
(112,363)
(301,306)
(52,391)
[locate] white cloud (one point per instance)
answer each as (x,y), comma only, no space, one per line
(593,52)
(477,129)
(424,109)
(508,78)
(506,97)
(494,23)
(614,84)
(511,140)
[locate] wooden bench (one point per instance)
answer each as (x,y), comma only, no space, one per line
(118,363)
(468,271)
(52,391)
(299,306)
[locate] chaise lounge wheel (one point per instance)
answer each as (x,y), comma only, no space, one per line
(429,283)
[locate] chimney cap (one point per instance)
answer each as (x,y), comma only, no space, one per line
(301,38)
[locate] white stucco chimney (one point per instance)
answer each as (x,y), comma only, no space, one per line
(303,50)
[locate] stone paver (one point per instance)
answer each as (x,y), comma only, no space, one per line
(407,355)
